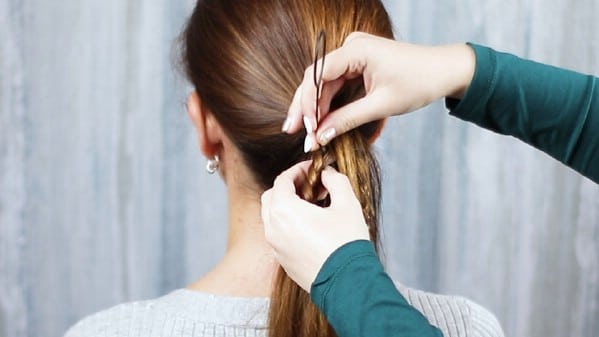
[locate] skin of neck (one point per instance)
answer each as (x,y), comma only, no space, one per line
(248,266)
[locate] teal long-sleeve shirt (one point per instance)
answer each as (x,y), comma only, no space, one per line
(552,109)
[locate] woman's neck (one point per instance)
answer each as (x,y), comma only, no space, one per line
(248,267)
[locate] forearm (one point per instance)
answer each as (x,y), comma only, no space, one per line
(552,109)
(359,298)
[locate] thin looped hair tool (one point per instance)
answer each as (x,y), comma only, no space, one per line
(319,58)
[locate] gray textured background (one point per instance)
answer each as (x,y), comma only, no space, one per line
(103,197)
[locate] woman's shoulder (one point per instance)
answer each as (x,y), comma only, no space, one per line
(453,315)
(115,320)
(181,313)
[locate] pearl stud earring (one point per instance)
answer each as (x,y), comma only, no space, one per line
(212,165)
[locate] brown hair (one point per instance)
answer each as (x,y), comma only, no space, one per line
(245,59)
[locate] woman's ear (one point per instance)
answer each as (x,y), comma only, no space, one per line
(209,130)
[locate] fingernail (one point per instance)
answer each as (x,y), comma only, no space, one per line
(287,124)
(327,136)
(317,112)
(308,125)
(320,90)
(309,143)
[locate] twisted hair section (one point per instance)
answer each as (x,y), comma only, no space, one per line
(292,313)
(350,154)
(321,158)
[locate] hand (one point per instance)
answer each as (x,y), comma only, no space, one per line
(398,77)
(304,235)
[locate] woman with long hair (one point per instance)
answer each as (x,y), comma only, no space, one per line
(245,59)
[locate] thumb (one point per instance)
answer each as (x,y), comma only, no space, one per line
(338,186)
(345,119)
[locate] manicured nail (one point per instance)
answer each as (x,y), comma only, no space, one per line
(287,124)
(327,136)
(320,90)
(309,143)
(308,125)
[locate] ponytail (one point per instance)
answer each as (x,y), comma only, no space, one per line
(292,312)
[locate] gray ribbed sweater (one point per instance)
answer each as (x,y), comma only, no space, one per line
(185,313)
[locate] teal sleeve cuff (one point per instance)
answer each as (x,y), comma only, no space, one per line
(359,299)
(335,265)
(473,106)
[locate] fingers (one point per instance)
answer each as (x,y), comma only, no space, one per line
(339,66)
(344,62)
(286,183)
(329,91)
(307,102)
(346,118)
(282,196)
(338,186)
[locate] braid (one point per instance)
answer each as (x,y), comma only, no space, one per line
(320,160)
(351,155)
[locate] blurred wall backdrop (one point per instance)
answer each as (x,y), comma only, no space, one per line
(104,199)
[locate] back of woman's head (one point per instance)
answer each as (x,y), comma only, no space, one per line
(246,59)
